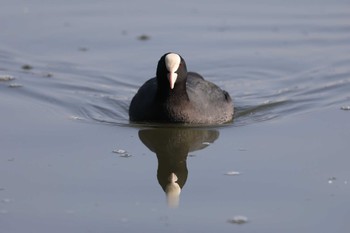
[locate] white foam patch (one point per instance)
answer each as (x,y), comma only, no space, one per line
(172,62)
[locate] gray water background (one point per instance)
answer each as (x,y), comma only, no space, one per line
(286,65)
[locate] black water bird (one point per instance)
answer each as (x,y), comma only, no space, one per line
(178,96)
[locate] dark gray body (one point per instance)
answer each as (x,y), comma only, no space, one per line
(205,103)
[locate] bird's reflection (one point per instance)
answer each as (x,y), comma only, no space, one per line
(172,146)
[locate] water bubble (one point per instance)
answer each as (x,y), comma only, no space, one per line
(6,77)
(238,219)
(119,151)
(75,118)
(331,180)
(122,153)
(15,85)
(345,108)
(232,173)
(126,155)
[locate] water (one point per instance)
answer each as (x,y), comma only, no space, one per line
(68,72)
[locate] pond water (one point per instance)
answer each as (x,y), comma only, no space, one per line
(70,161)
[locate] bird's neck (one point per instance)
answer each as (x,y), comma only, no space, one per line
(175,94)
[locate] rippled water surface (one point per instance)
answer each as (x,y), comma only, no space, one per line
(72,162)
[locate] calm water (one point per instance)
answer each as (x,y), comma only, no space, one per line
(70,161)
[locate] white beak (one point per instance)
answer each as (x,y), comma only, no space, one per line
(172,63)
(172,79)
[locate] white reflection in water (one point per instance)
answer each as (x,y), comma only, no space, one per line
(172,146)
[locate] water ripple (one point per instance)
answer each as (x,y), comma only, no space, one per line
(259,94)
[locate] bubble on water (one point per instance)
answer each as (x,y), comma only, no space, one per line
(232,173)
(15,85)
(238,219)
(6,77)
(77,118)
(345,108)
(331,180)
(119,151)
(122,153)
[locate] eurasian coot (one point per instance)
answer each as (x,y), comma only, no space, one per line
(178,96)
